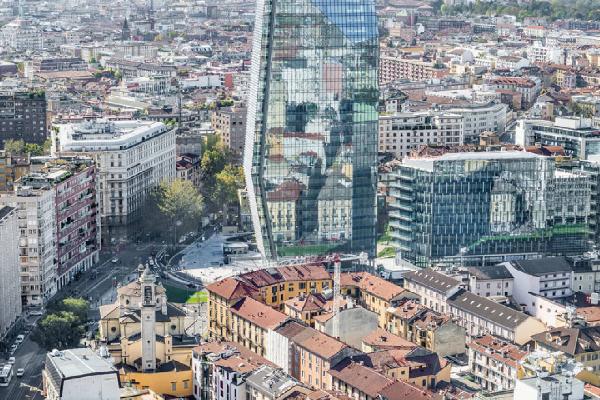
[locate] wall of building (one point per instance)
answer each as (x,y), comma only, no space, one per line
(172,383)
(449,339)
(354,324)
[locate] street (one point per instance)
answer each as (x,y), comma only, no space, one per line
(101,290)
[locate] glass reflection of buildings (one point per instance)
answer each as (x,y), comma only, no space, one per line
(489,206)
(311,144)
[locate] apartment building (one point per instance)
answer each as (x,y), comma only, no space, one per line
(220,370)
(494,363)
(395,68)
(579,343)
(549,277)
(305,353)
(229,123)
(432,287)
(132,157)
(37,225)
(21,35)
(374,293)
(480,117)
(577,136)
(251,321)
(23,116)
(359,381)
(10,284)
(429,329)
(268,383)
(526,87)
(12,168)
(481,316)
(401,133)
(491,281)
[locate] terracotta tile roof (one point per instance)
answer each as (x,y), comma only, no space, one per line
(310,302)
(372,284)
(311,339)
(231,289)
(232,350)
(382,339)
(271,276)
(499,350)
(258,313)
(375,384)
(590,314)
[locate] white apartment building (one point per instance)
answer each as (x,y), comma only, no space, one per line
(481,316)
(494,362)
(37,242)
(549,277)
(539,53)
(434,288)
(22,35)
(491,281)
(10,278)
(132,157)
(402,133)
(479,118)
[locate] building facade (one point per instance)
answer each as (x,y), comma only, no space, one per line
(132,157)
(10,284)
(23,116)
(312,119)
(402,133)
(230,125)
(485,206)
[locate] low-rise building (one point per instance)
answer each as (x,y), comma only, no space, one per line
(268,383)
(220,370)
(374,293)
(79,374)
(491,281)
(251,321)
(396,68)
(433,287)
(582,344)
(549,277)
(494,363)
(230,126)
(426,328)
(306,354)
(481,316)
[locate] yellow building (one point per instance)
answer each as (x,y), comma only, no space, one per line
(250,323)
(374,293)
(273,286)
(145,336)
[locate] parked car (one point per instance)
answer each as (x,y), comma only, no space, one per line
(37,313)
(20,372)
(114,260)
(20,339)
(13,349)
(12,360)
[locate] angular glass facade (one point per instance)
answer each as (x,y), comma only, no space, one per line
(487,206)
(311,141)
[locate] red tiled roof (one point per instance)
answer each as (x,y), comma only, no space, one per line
(258,313)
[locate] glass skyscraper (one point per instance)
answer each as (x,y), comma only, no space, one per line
(488,206)
(311,140)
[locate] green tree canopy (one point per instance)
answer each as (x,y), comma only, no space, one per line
(180,201)
(228,181)
(77,306)
(58,331)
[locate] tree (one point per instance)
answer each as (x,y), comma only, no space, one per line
(180,201)
(213,161)
(58,331)
(77,306)
(228,181)
(14,146)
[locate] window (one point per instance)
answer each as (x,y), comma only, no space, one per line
(173,385)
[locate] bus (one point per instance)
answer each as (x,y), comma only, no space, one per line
(6,375)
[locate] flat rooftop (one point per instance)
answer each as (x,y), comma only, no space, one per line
(79,362)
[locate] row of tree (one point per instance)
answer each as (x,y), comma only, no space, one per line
(554,9)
